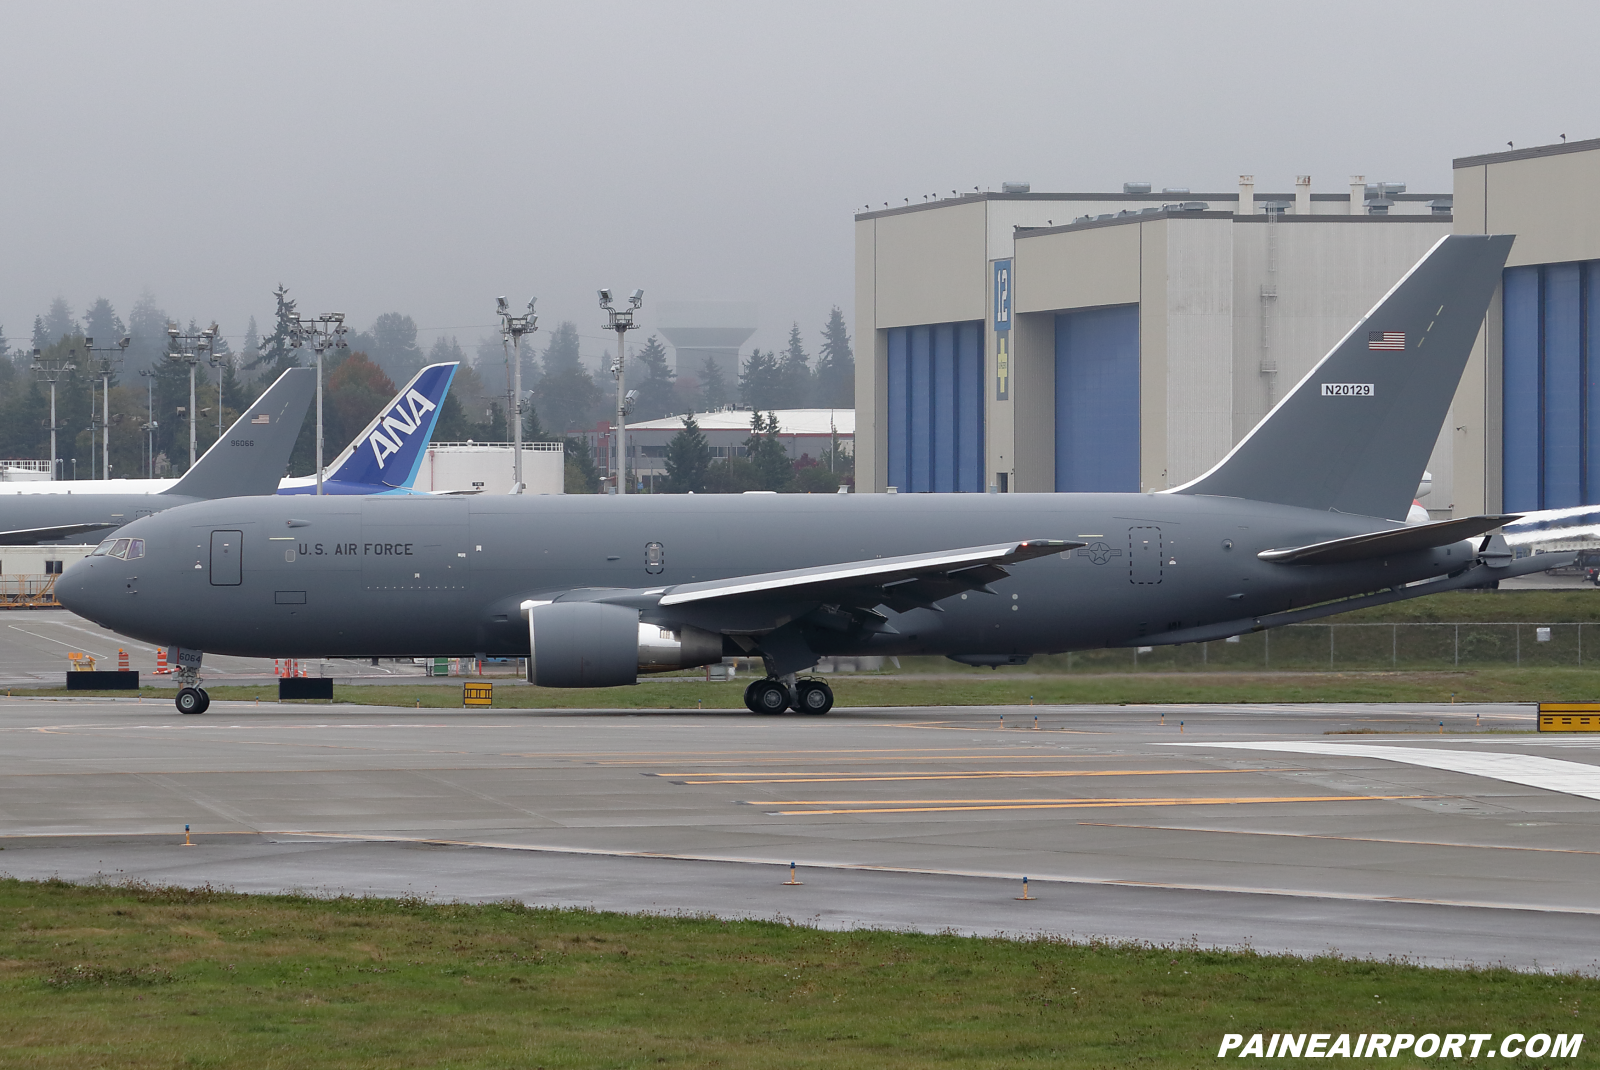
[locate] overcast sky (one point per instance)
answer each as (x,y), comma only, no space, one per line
(425,158)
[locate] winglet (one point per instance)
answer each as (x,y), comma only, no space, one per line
(252,456)
(1355,434)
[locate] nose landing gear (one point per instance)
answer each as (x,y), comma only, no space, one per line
(192,700)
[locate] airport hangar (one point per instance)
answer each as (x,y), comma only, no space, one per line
(1025,341)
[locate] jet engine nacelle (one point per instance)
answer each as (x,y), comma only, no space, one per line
(590,644)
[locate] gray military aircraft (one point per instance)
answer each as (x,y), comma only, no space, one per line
(249,459)
(1301,520)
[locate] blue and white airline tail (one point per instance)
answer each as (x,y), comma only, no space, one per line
(385,457)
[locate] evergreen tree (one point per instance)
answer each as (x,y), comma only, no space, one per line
(688,459)
(836,365)
(794,373)
(277,353)
(39,339)
(773,470)
(59,322)
(656,394)
(103,324)
(760,386)
(147,332)
(581,475)
(561,353)
(391,344)
(713,386)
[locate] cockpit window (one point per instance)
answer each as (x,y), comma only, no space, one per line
(104,548)
(135,549)
(120,549)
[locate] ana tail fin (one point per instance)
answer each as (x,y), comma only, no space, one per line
(252,456)
(1355,434)
(388,453)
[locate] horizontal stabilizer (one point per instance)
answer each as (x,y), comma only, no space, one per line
(29,536)
(252,457)
(1386,543)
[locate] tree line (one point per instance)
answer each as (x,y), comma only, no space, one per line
(149,430)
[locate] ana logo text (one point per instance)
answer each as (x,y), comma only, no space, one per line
(404,418)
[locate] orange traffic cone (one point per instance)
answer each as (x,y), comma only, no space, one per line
(122,660)
(161,661)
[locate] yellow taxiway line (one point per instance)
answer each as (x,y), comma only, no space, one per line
(983,774)
(1080,804)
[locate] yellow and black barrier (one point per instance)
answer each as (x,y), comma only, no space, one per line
(477,694)
(1569,716)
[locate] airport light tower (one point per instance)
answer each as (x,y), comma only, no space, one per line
(322,332)
(103,365)
(190,349)
(150,424)
(512,328)
(621,321)
(51,371)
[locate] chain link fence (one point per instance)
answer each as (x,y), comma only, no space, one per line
(1326,647)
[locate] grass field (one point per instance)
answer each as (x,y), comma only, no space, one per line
(980,689)
(136,977)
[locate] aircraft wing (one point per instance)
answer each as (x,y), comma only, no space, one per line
(838,596)
(1387,543)
(29,536)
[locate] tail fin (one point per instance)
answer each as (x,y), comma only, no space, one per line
(388,453)
(1355,434)
(252,456)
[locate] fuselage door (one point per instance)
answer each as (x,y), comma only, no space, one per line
(225,548)
(1144,555)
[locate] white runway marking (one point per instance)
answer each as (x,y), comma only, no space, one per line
(1531,770)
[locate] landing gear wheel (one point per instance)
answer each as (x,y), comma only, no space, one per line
(205,699)
(750,697)
(768,696)
(816,697)
(191,700)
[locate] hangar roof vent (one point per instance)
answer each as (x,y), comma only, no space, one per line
(1016,187)
(1136,187)
(1175,189)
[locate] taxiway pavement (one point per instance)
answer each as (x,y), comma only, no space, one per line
(1351,828)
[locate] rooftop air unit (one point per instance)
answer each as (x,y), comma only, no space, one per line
(1015,187)
(1136,187)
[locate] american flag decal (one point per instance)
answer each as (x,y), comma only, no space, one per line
(264,418)
(1386,339)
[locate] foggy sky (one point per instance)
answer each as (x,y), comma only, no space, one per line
(425,158)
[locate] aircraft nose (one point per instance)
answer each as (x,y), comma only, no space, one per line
(84,587)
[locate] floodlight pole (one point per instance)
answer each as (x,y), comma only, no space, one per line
(51,372)
(621,322)
(188,349)
(113,355)
(322,331)
(512,328)
(150,421)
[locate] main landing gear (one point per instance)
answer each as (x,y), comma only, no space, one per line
(775,696)
(192,700)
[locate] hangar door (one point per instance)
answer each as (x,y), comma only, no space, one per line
(1551,396)
(936,407)
(1097,400)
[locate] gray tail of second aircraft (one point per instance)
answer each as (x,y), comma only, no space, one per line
(1355,434)
(252,457)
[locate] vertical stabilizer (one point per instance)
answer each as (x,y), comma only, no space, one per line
(387,454)
(252,457)
(1355,434)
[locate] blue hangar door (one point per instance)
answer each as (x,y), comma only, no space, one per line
(1097,399)
(936,407)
